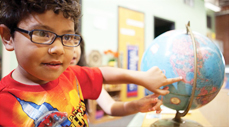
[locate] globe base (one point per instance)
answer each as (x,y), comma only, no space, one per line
(173,123)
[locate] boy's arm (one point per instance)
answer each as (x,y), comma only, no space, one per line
(152,79)
(105,101)
(116,108)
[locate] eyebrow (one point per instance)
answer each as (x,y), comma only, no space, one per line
(49,28)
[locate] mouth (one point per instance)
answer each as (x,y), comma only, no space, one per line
(53,65)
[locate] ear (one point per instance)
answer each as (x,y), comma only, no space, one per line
(7,39)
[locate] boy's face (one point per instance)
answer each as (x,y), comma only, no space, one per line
(42,63)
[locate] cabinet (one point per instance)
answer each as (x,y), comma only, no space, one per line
(96,113)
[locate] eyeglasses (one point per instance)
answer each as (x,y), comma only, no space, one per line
(48,37)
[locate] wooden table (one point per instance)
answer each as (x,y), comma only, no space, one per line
(195,116)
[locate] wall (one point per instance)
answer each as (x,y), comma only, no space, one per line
(100,26)
(9,61)
(212,15)
(222,31)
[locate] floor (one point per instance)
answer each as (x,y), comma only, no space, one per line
(123,122)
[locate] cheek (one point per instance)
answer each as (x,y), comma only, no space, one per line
(30,56)
(78,52)
(68,54)
(25,51)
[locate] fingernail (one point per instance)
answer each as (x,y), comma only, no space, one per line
(181,77)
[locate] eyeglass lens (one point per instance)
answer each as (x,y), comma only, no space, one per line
(46,37)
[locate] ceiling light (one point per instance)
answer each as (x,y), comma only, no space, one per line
(212,7)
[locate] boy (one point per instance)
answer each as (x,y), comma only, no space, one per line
(43,90)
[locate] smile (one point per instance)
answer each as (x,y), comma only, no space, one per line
(52,64)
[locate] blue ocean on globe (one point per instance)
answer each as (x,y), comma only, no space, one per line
(173,53)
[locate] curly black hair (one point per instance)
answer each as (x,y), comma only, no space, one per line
(12,11)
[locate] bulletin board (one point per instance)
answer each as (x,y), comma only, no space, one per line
(130,48)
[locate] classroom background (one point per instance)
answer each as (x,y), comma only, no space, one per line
(111,28)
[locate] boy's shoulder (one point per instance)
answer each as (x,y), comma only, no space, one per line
(78,70)
(4,81)
(2,86)
(85,73)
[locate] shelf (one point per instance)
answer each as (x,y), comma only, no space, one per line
(110,88)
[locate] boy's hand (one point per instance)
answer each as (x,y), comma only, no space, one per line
(149,103)
(154,78)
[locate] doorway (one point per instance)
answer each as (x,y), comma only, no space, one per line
(162,25)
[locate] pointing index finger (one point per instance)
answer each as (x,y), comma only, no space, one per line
(172,80)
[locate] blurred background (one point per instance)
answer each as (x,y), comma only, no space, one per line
(116,33)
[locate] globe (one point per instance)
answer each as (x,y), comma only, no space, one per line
(173,53)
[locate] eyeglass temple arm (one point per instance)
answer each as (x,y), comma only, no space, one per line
(24,31)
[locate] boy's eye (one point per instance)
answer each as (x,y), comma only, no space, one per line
(67,37)
(41,33)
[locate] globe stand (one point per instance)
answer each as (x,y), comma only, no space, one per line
(177,121)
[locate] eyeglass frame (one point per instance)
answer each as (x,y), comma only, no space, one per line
(30,33)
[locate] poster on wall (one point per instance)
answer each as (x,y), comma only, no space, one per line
(130,47)
(226,79)
(132,64)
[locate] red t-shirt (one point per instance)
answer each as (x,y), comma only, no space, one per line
(59,102)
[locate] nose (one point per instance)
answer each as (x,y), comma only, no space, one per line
(56,48)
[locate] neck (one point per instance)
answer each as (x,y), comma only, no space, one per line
(20,75)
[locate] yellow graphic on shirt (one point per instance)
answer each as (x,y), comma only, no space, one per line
(78,117)
(74,100)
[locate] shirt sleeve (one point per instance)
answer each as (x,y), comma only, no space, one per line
(90,80)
